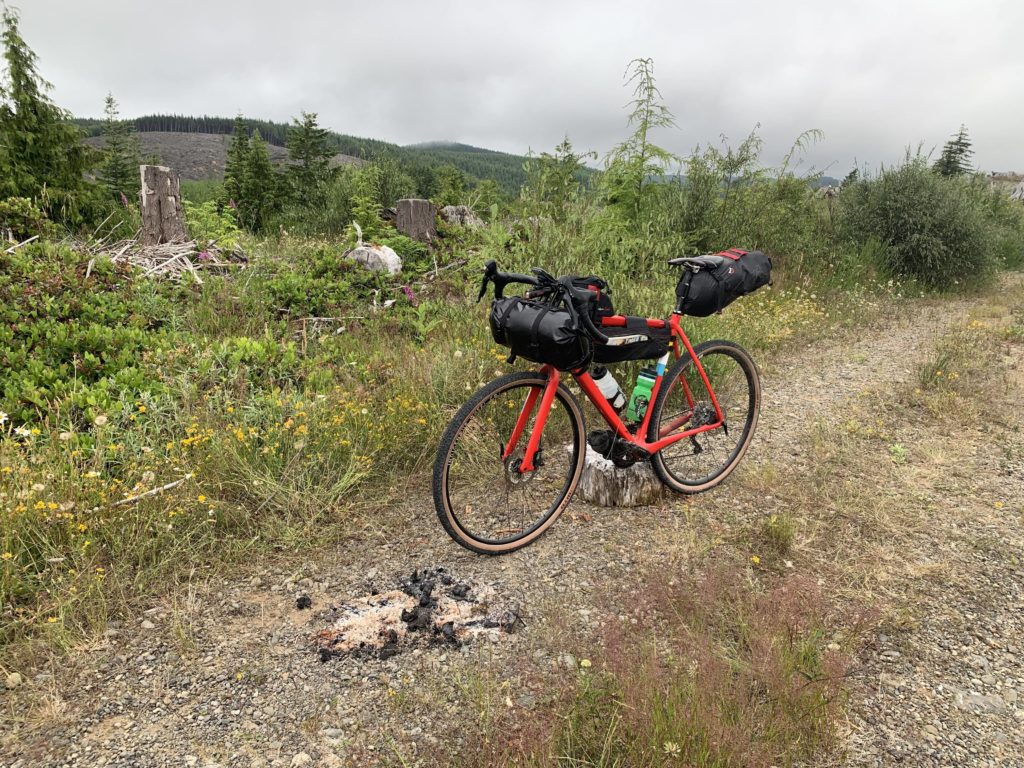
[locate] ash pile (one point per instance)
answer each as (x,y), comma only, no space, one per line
(429,608)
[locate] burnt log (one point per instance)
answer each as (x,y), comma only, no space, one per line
(162,218)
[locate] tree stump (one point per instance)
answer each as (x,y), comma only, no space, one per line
(162,220)
(416,219)
(606,485)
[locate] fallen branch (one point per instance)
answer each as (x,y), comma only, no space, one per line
(154,492)
(13,248)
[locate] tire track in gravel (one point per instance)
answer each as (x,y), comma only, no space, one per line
(227,675)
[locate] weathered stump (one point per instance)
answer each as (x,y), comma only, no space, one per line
(607,485)
(415,219)
(162,219)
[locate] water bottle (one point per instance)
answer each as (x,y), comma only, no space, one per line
(609,387)
(641,396)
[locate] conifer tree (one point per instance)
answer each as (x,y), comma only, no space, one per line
(451,186)
(122,155)
(955,159)
(234,167)
(258,197)
(43,157)
(310,155)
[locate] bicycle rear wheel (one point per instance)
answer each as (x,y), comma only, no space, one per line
(702,461)
(483,502)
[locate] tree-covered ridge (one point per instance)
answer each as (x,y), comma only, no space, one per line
(477,163)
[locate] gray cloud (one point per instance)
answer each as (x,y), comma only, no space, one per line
(874,76)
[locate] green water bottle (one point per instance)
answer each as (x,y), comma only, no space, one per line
(641,396)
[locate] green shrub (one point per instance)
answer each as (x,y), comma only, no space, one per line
(206,224)
(934,228)
(23,219)
(65,340)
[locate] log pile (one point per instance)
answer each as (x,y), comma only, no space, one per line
(167,260)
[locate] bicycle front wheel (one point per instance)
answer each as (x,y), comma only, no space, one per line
(684,402)
(482,499)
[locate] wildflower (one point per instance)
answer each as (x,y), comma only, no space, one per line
(3,417)
(585,663)
(100,420)
(202,499)
(998,505)
(22,432)
(6,556)
(421,420)
(51,620)
(65,436)
(755,559)
(671,749)
(142,409)
(38,487)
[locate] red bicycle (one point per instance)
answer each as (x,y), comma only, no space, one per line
(500,481)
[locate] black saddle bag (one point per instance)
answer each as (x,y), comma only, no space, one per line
(734,273)
(539,331)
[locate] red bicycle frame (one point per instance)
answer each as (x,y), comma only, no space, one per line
(667,435)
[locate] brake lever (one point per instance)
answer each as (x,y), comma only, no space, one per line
(490,270)
(545,276)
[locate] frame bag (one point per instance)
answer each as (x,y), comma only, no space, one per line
(734,273)
(636,341)
(539,331)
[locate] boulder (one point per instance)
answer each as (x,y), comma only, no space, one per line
(415,219)
(462,215)
(378,258)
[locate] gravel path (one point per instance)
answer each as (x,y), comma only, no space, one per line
(226,674)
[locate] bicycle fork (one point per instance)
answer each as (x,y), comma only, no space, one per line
(533,443)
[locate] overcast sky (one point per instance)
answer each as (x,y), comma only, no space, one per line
(874,76)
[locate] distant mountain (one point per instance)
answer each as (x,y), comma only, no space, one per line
(195,147)
(201,156)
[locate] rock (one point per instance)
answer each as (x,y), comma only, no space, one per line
(377,258)
(147,624)
(462,215)
(13,681)
(301,759)
(526,701)
(979,703)
(415,219)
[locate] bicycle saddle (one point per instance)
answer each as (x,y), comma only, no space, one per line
(700,262)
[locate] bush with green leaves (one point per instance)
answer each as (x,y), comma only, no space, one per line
(208,223)
(77,344)
(935,228)
(21,219)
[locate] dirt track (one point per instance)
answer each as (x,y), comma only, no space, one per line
(227,673)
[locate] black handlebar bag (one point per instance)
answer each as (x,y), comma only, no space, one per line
(539,331)
(735,273)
